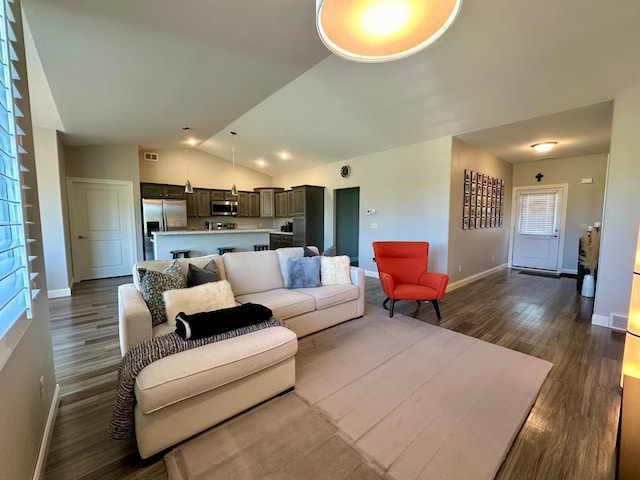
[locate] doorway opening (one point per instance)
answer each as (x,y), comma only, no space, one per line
(347,220)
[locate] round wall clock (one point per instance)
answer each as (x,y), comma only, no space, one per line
(345,171)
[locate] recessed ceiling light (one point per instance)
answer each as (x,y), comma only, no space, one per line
(192,141)
(261,162)
(284,155)
(544,146)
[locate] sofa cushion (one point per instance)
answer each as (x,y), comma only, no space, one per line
(201,298)
(282,302)
(190,373)
(160,265)
(304,272)
(330,295)
(335,270)
(250,272)
(197,275)
(153,284)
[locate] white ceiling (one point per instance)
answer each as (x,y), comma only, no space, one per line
(506,75)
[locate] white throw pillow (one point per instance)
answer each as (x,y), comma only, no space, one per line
(201,298)
(335,270)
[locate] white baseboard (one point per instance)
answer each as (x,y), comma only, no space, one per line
(600,320)
(473,278)
(61,292)
(38,474)
(371,273)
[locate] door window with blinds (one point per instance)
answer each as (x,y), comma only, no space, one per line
(538,213)
(15,275)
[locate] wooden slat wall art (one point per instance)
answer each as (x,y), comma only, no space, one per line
(483,205)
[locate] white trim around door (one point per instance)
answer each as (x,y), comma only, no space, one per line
(564,187)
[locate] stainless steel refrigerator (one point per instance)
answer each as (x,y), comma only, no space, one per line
(161,216)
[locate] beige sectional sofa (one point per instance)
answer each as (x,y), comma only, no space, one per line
(188,392)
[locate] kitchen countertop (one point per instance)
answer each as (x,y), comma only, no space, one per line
(227,230)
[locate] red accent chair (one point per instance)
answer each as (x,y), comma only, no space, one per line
(403,273)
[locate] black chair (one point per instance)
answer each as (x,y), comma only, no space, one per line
(259,247)
(177,253)
(222,250)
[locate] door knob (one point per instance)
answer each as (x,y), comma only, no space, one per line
(80,236)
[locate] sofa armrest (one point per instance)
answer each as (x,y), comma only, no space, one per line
(134,318)
(357,278)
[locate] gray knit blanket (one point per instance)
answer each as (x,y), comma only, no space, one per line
(121,426)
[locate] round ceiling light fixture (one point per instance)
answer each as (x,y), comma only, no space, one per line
(372,31)
(544,146)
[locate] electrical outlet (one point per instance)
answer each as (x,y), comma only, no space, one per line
(459,268)
(41,386)
(493,259)
(374,225)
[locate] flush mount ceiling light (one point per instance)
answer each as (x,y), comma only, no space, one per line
(544,146)
(382,30)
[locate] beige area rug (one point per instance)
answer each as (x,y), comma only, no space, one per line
(398,397)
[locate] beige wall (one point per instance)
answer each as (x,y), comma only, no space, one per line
(476,250)
(409,188)
(584,201)
(205,170)
(108,162)
(621,213)
(52,194)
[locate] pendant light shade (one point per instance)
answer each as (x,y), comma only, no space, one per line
(234,190)
(187,186)
(382,30)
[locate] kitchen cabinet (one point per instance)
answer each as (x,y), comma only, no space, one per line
(267,201)
(289,203)
(202,203)
(243,204)
(308,216)
(280,240)
(282,204)
(192,206)
(254,204)
(160,190)
(217,195)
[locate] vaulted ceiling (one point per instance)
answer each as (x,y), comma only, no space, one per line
(505,75)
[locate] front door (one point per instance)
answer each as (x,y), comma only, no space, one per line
(102,228)
(536,239)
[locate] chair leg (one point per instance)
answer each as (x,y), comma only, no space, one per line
(435,305)
(393,303)
(384,304)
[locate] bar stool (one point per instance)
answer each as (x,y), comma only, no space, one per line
(222,250)
(260,246)
(177,253)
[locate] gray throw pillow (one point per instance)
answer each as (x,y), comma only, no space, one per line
(304,272)
(153,283)
(198,276)
(329,252)
(308,252)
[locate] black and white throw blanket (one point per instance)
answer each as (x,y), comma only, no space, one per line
(121,426)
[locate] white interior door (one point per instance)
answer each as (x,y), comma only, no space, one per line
(538,223)
(102,228)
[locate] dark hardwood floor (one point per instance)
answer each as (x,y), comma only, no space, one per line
(570,433)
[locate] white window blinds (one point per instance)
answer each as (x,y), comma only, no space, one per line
(538,213)
(15,276)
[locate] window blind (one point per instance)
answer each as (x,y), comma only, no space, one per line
(15,275)
(537,213)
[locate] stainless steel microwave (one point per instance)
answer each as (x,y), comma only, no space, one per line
(224,207)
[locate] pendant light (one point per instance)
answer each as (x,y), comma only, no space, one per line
(234,190)
(187,186)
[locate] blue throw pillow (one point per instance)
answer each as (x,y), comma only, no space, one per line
(304,272)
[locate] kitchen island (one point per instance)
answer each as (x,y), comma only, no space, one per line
(207,242)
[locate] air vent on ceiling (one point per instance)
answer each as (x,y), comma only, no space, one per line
(151,156)
(617,322)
